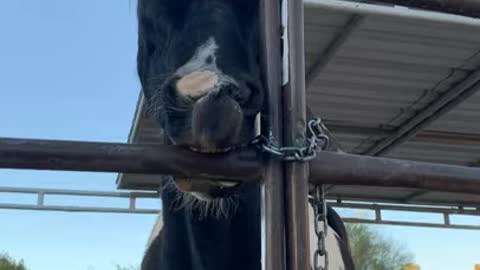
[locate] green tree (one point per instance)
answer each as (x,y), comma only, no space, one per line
(372,251)
(7,263)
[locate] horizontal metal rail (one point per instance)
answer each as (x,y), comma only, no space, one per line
(411,224)
(127,158)
(84,209)
(378,219)
(470,211)
(42,206)
(244,165)
(132,209)
(348,169)
(87,193)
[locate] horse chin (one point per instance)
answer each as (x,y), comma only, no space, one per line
(207,190)
(207,198)
(202,196)
(219,195)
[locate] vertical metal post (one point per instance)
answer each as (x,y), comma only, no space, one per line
(296,173)
(270,35)
(295,253)
(446,219)
(41,199)
(378,214)
(132,203)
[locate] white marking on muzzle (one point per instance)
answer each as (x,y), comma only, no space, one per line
(197,83)
(200,75)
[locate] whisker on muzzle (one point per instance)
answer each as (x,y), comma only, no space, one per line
(201,204)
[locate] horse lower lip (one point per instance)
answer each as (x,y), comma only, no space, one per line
(211,151)
(214,189)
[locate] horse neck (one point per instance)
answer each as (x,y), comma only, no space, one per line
(207,242)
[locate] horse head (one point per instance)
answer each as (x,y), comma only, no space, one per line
(197,63)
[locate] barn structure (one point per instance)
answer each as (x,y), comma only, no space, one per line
(389,78)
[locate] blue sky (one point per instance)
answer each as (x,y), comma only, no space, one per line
(68,72)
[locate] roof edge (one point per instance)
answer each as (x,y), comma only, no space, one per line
(393,11)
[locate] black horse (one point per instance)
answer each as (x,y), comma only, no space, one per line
(198,66)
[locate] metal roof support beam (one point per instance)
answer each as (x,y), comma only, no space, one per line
(463,7)
(392,11)
(437,108)
(332,49)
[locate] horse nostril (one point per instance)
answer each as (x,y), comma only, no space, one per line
(240,94)
(227,90)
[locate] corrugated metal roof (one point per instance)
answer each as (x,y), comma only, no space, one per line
(387,70)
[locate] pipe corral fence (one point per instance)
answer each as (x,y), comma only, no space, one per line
(286,184)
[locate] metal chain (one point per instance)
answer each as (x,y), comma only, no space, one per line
(320,209)
(316,140)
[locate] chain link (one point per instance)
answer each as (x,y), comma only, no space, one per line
(316,140)
(320,209)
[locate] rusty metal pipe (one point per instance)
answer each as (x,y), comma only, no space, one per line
(273,203)
(348,169)
(243,165)
(295,122)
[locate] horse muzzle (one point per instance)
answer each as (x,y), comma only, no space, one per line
(217,121)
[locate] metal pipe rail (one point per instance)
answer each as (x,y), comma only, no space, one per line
(349,169)
(131,200)
(127,158)
(41,205)
(377,207)
(446,212)
(244,165)
(412,224)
